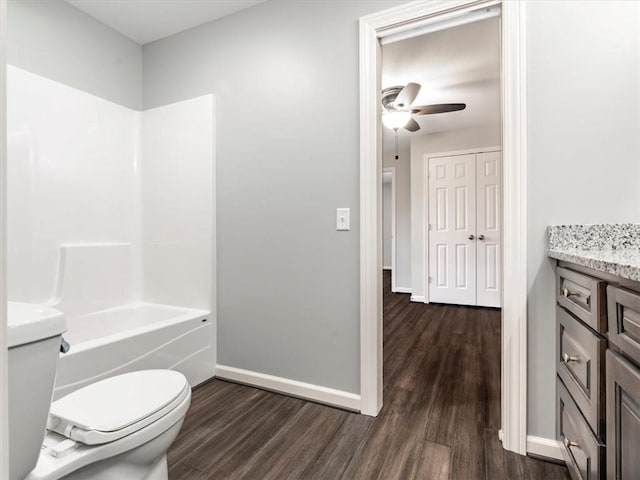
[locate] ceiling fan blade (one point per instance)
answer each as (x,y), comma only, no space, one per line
(407,95)
(412,125)
(438,108)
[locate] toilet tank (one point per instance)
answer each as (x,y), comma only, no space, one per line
(33,336)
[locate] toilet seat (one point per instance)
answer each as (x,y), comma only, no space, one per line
(113,408)
(53,466)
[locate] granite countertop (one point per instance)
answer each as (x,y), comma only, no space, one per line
(613,249)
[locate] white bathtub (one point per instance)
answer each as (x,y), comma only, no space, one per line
(137,336)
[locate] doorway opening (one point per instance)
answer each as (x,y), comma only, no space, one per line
(441,178)
(405,21)
(389,224)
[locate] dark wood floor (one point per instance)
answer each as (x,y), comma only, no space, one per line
(440,418)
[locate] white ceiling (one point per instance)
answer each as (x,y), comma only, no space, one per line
(147,20)
(457,65)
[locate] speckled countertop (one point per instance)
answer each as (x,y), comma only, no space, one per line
(614,249)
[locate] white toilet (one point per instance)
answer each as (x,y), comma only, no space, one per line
(118,428)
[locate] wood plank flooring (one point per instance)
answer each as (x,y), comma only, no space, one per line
(440,417)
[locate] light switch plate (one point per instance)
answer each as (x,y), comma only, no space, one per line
(342,218)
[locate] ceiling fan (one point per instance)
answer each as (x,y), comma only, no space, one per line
(398,112)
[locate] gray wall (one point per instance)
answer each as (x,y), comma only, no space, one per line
(57,41)
(584,150)
(285,75)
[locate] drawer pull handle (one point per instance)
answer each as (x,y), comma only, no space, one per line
(566,293)
(568,443)
(566,358)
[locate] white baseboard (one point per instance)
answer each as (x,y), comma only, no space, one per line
(544,447)
(308,391)
(417,298)
(402,290)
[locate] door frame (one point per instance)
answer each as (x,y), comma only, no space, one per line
(514,252)
(425,202)
(392,170)
(4,353)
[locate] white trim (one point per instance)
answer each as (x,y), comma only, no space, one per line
(425,215)
(438,26)
(418,298)
(386,268)
(421,12)
(514,233)
(4,380)
(295,388)
(425,202)
(370,214)
(544,447)
(514,351)
(394,260)
(467,151)
(402,290)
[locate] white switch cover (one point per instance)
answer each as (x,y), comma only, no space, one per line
(342,218)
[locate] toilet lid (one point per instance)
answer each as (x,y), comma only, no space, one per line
(117,406)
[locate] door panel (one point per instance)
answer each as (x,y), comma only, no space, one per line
(489,208)
(452,219)
(623,418)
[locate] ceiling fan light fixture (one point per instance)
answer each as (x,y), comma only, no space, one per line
(395,119)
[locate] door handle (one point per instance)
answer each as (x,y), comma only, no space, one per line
(471,237)
(480,237)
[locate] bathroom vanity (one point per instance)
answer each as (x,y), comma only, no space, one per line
(598,348)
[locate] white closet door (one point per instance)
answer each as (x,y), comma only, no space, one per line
(489,198)
(452,229)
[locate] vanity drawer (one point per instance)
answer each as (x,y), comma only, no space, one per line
(580,365)
(582,451)
(624,321)
(583,296)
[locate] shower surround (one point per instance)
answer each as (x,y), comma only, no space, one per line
(111,219)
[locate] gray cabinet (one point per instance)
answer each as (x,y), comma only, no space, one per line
(580,365)
(583,296)
(598,371)
(624,321)
(583,452)
(623,418)
(623,384)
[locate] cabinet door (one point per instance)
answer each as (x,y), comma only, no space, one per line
(624,321)
(452,232)
(489,211)
(623,419)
